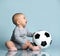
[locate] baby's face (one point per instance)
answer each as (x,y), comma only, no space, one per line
(22,20)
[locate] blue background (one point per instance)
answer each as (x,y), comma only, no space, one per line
(41,15)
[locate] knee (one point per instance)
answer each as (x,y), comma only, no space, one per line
(8,43)
(27,43)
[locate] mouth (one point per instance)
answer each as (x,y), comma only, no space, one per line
(26,22)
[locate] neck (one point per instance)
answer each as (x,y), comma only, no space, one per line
(20,26)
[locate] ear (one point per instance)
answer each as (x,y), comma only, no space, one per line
(18,22)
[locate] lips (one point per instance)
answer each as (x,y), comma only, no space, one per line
(26,22)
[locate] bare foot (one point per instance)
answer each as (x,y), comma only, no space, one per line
(36,48)
(12,49)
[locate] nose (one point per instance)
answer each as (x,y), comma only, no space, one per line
(43,43)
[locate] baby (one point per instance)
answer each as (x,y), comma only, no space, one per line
(19,38)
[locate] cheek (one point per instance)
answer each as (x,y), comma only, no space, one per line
(23,22)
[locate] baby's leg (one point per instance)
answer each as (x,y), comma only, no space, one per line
(29,45)
(10,45)
(34,48)
(25,45)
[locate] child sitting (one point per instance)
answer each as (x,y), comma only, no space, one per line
(20,33)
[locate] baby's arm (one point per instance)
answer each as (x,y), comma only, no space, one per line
(29,34)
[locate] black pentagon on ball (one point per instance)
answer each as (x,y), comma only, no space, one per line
(37,36)
(47,34)
(43,43)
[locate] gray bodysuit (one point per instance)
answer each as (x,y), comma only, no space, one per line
(20,36)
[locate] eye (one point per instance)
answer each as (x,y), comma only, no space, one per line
(24,17)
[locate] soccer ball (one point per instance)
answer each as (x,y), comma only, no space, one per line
(42,39)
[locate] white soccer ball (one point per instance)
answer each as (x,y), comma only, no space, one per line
(42,39)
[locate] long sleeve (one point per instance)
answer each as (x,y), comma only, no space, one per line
(29,34)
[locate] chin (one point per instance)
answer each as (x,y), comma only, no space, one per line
(24,26)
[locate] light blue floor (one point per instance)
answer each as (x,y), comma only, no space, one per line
(46,52)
